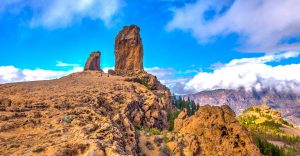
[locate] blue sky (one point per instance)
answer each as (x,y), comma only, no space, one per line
(44,39)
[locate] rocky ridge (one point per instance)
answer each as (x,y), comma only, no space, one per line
(239,100)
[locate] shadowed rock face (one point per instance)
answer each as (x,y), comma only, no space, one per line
(93,62)
(129,50)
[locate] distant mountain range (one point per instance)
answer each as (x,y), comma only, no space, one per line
(287,103)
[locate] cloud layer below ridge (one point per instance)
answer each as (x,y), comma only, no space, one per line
(250,73)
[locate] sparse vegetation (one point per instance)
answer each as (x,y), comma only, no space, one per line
(145,82)
(264,126)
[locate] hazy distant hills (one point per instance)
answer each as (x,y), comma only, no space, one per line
(287,103)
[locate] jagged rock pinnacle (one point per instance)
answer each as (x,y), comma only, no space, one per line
(129,50)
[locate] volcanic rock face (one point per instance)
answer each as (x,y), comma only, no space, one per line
(129,50)
(212,131)
(93,62)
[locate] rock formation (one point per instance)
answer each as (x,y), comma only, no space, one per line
(93,62)
(129,50)
(212,131)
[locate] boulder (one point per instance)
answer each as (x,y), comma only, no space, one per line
(129,51)
(93,62)
(111,72)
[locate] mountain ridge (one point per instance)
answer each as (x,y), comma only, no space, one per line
(287,103)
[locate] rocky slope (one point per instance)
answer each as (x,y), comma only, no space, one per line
(287,103)
(83,113)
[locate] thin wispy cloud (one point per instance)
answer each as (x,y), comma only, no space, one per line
(174,79)
(63,13)
(261,25)
(63,64)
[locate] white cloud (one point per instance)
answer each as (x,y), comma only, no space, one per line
(8,73)
(12,74)
(250,73)
(63,64)
(62,13)
(262,25)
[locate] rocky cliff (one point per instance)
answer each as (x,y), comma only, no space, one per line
(287,103)
(129,50)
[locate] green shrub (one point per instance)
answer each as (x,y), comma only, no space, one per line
(67,118)
(138,127)
(145,82)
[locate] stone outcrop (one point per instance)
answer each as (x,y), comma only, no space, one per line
(212,131)
(129,51)
(93,62)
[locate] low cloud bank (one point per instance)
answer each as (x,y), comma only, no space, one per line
(13,74)
(250,73)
